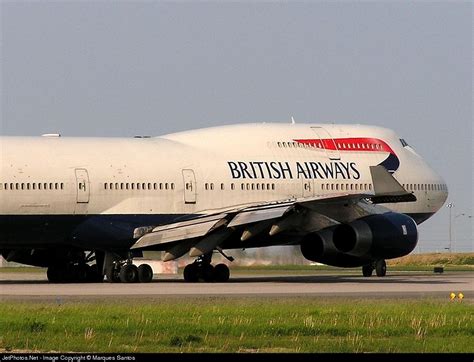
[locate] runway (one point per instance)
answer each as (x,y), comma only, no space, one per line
(24,286)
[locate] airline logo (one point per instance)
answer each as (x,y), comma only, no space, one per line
(333,169)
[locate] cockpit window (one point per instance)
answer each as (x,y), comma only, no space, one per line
(404,143)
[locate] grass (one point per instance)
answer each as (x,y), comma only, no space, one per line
(431,259)
(239,325)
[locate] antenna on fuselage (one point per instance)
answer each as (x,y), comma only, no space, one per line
(292,120)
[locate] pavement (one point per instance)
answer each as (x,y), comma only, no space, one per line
(27,286)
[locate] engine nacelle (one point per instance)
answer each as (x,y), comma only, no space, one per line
(319,247)
(385,236)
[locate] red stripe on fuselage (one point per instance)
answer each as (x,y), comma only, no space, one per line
(349,144)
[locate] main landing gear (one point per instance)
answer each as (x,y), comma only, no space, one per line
(123,270)
(202,269)
(77,269)
(380,267)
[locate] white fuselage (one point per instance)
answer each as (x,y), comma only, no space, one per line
(199,171)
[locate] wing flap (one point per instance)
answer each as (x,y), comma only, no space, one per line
(180,231)
(256,215)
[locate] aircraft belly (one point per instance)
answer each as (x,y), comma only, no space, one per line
(92,231)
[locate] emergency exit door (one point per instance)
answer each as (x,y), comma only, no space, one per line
(82,186)
(189,187)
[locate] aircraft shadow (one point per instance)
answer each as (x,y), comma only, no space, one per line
(293,279)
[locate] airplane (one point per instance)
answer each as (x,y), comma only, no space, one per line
(85,208)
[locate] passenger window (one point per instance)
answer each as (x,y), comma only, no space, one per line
(222,186)
(273,186)
(172,186)
(232,186)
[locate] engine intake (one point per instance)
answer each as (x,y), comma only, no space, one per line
(385,236)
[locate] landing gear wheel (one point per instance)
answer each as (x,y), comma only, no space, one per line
(221,273)
(207,272)
(80,273)
(367,270)
(190,273)
(93,275)
(145,273)
(381,268)
(129,273)
(54,274)
(113,274)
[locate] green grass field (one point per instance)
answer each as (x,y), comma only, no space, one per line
(239,325)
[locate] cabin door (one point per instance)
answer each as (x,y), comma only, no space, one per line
(82,186)
(327,142)
(307,186)
(189,187)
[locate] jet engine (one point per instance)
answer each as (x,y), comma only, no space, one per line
(319,247)
(384,236)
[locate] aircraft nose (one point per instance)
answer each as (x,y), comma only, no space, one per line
(442,187)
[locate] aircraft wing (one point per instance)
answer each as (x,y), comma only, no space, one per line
(202,234)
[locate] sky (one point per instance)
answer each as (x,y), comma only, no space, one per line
(110,68)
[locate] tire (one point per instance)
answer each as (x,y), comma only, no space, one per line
(80,273)
(53,274)
(112,274)
(145,273)
(93,275)
(129,273)
(381,268)
(207,273)
(221,273)
(190,273)
(367,270)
